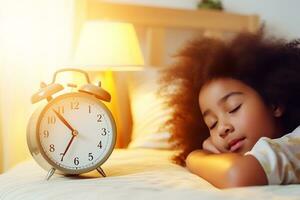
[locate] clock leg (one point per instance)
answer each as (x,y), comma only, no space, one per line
(50,173)
(100,170)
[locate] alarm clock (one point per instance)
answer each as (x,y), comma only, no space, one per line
(73,132)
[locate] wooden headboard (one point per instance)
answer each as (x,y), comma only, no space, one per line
(156,21)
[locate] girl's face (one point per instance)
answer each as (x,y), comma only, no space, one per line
(236,115)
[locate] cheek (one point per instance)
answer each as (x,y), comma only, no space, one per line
(219,143)
(255,122)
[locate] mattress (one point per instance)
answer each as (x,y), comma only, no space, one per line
(131,174)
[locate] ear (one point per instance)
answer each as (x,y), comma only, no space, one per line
(277,111)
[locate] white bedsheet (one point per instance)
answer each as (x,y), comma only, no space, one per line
(131,174)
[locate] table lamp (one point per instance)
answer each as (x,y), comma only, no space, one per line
(106,46)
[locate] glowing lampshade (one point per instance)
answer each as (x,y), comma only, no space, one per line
(108,45)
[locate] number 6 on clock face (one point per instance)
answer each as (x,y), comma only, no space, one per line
(76,133)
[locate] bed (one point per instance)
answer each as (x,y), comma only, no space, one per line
(144,174)
(141,167)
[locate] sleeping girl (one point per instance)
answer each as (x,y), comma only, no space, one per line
(237,110)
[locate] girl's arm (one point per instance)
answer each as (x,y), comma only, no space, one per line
(226,169)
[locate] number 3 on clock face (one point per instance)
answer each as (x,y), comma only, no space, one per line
(76,133)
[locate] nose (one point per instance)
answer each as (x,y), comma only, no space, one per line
(225,129)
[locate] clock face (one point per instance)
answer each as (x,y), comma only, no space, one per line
(76,132)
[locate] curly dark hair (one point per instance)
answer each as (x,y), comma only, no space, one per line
(269,65)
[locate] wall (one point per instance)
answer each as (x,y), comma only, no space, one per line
(281,17)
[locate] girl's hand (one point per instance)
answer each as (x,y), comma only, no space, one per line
(209,146)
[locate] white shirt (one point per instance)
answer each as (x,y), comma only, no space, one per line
(280,158)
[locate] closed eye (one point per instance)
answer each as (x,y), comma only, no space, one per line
(213,126)
(235,109)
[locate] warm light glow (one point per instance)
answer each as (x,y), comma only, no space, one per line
(108,45)
(35,40)
(77,79)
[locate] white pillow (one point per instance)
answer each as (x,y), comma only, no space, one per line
(148,111)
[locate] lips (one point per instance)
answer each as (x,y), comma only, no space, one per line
(235,144)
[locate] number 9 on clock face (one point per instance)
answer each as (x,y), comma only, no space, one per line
(76,133)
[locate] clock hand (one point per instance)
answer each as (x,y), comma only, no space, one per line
(63,120)
(74,133)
